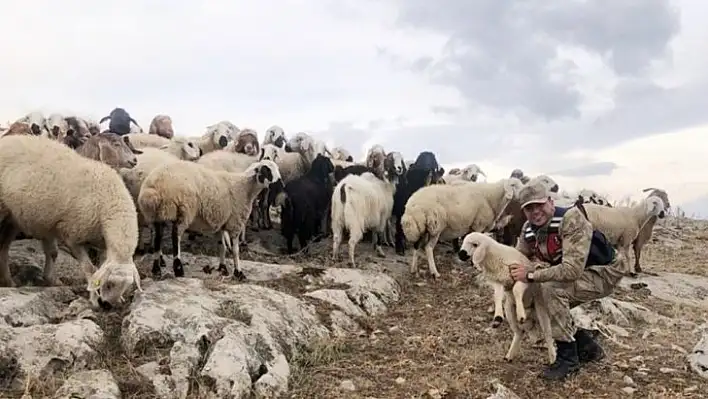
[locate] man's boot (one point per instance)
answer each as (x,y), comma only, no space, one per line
(588,349)
(566,362)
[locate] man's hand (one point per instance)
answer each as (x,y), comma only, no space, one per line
(518,272)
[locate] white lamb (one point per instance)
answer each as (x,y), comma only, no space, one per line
(216,137)
(469,173)
(54,194)
(275,136)
(644,234)
(192,196)
(360,203)
(448,211)
(621,225)
(307,146)
(494,260)
(181,147)
(37,123)
(340,154)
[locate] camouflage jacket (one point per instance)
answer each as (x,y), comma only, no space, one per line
(570,246)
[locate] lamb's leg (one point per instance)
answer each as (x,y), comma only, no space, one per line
(518,291)
(355,235)
(336,242)
(8,232)
(625,253)
(377,238)
(429,247)
(637,247)
(238,274)
(178,229)
(51,252)
(390,228)
(414,262)
(544,323)
(510,313)
(498,304)
(159,262)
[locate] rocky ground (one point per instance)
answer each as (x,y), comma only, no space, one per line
(296,329)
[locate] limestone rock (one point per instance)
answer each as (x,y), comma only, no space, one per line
(89,384)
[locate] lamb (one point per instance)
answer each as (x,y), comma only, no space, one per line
(375,158)
(424,171)
(98,211)
(194,197)
(622,225)
(161,125)
(306,145)
(217,136)
(304,203)
(111,149)
(494,260)
(340,154)
(645,233)
(56,126)
(36,122)
(120,121)
(275,136)
(449,211)
(245,142)
(361,203)
(469,173)
(267,197)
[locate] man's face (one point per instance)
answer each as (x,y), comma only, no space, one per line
(539,214)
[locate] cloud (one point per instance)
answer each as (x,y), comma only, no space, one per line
(571,87)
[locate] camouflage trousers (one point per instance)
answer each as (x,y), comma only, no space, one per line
(596,282)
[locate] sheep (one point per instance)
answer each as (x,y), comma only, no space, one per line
(304,203)
(193,196)
(275,135)
(120,121)
(494,260)
(424,171)
(307,146)
(342,172)
(361,203)
(469,173)
(588,197)
(94,127)
(18,129)
(267,197)
(622,225)
(56,126)
(217,137)
(36,122)
(161,125)
(181,147)
(645,233)
(245,142)
(111,149)
(89,206)
(519,174)
(340,154)
(449,211)
(375,158)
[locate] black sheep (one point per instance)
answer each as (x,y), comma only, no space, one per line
(120,121)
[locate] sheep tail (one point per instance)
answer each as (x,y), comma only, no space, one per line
(413,224)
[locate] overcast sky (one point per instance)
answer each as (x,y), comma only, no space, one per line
(500,83)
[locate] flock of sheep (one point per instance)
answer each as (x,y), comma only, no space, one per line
(65,183)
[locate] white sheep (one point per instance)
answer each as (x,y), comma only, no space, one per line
(469,173)
(360,203)
(89,205)
(276,136)
(216,137)
(192,196)
(57,126)
(181,147)
(226,161)
(375,158)
(306,145)
(37,123)
(621,225)
(340,154)
(448,211)
(494,260)
(645,232)
(566,199)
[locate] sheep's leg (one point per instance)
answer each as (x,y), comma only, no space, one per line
(414,262)
(178,229)
(8,232)
(429,247)
(510,313)
(637,247)
(518,291)
(159,262)
(544,323)
(390,228)
(238,274)
(455,245)
(377,238)
(336,242)
(498,304)
(400,239)
(355,235)
(51,252)
(625,253)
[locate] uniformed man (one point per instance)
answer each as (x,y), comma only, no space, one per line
(583,267)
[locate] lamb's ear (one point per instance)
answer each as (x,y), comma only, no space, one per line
(479,253)
(98,278)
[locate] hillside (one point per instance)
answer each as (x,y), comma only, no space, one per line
(375,332)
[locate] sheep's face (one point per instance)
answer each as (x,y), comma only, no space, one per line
(161,125)
(190,151)
(276,136)
(57,126)
(517,173)
(247,143)
(269,152)
(547,182)
(322,167)
(220,134)
(302,143)
(655,207)
(512,188)
(341,154)
(472,173)
(108,285)
(37,123)
(474,246)
(395,164)
(265,172)
(117,151)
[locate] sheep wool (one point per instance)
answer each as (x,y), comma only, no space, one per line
(89,205)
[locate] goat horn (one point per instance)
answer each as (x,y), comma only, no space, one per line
(648,189)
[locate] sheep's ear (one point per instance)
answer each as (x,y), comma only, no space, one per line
(350,159)
(134,150)
(479,253)
(260,158)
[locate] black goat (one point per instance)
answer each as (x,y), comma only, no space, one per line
(340,172)
(306,200)
(120,121)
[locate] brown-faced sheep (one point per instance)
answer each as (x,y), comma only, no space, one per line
(161,125)
(111,149)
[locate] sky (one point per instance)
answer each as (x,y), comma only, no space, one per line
(606,95)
